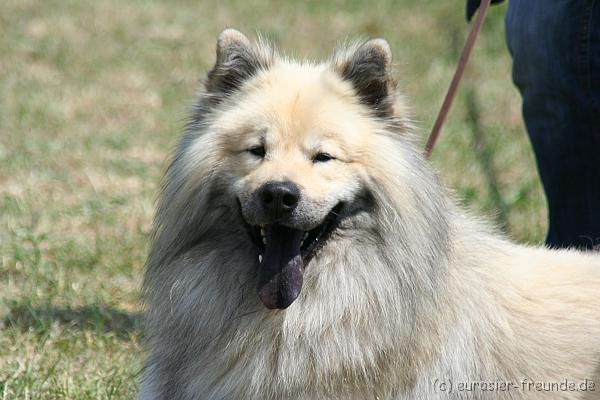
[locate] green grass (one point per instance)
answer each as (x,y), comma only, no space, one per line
(93,95)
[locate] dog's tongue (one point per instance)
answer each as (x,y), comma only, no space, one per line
(281,269)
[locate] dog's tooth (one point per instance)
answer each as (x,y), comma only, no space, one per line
(260,258)
(305,235)
(264,240)
(262,231)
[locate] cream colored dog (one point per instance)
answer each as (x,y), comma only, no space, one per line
(304,249)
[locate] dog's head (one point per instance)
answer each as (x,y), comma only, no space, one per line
(293,140)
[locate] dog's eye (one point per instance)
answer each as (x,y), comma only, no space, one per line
(258,151)
(323,157)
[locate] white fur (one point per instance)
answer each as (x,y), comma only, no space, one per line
(403,297)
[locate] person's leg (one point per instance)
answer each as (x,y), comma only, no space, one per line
(556,66)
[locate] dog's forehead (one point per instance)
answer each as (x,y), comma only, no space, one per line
(288,89)
(306,101)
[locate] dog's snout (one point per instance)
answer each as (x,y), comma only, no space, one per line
(279,198)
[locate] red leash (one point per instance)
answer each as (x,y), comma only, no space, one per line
(460,69)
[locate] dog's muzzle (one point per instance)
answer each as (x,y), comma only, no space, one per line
(284,250)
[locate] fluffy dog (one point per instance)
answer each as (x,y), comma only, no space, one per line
(303,248)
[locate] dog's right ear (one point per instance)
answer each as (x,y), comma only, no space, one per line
(237,61)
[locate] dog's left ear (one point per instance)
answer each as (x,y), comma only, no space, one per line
(368,68)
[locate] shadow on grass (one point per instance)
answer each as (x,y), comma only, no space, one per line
(94,317)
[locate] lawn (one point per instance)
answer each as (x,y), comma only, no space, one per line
(93,95)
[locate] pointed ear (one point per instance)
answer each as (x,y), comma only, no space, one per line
(368,68)
(237,61)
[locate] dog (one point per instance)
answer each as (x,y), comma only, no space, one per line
(303,248)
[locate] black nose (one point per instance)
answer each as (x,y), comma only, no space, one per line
(279,198)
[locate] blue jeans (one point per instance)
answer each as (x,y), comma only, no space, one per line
(555,46)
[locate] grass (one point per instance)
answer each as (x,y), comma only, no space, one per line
(92,97)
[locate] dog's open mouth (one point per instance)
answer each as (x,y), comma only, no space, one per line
(284,252)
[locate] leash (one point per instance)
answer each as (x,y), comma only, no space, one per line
(460,69)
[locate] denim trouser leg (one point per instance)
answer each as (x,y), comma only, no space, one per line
(555,46)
